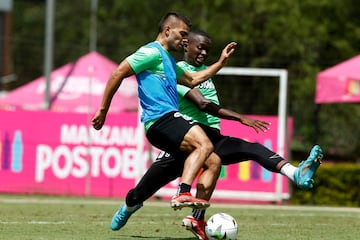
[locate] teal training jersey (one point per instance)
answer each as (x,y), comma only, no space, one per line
(156,73)
(208,90)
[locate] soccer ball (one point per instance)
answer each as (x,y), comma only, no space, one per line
(221,226)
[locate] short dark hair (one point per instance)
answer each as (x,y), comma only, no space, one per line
(176,15)
(199,32)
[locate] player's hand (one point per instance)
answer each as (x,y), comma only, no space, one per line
(257,125)
(230,48)
(227,51)
(99,119)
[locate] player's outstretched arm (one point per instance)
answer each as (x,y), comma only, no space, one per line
(212,108)
(195,78)
(114,82)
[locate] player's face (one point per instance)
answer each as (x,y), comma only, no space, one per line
(177,35)
(197,50)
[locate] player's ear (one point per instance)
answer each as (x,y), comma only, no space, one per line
(167,30)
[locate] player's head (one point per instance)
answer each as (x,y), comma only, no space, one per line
(173,28)
(197,47)
(173,18)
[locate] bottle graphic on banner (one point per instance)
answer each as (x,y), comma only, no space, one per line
(244,171)
(17,152)
(5,160)
(222,172)
(266,175)
(254,170)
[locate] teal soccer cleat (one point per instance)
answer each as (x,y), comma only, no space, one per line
(304,173)
(121,217)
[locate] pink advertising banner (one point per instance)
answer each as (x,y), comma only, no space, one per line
(59,153)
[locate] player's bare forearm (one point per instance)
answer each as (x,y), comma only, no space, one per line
(114,82)
(210,71)
(111,87)
(100,116)
(194,79)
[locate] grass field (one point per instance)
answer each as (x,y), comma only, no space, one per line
(65,218)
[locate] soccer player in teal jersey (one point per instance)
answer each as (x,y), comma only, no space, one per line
(196,104)
(165,128)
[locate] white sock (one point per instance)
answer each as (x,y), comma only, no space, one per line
(288,170)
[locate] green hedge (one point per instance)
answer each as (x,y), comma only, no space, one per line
(335,185)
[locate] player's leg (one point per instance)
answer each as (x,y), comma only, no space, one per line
(197,143)
(234,150)
(205,186)
(173,134)
(161,172)
(164,170)
(207,180)
(196,221)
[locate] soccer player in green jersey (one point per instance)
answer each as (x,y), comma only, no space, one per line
(165,128)
(201,104)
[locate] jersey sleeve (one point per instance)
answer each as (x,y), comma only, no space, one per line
(182,90)
(144,58)
(179,71)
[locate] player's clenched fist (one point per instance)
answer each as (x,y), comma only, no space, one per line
(98,120)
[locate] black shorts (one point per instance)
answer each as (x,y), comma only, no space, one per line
(168,132)
(233,150)
(212,133)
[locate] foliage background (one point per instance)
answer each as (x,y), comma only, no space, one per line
(303,37)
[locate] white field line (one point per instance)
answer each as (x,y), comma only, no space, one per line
(34,200)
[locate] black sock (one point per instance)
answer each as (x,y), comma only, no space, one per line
(183,187)
(199,214)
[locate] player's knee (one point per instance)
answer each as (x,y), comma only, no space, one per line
(213,163)
(207,147)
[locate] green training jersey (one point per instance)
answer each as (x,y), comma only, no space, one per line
(156,81)
(208,90)
(149,59)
